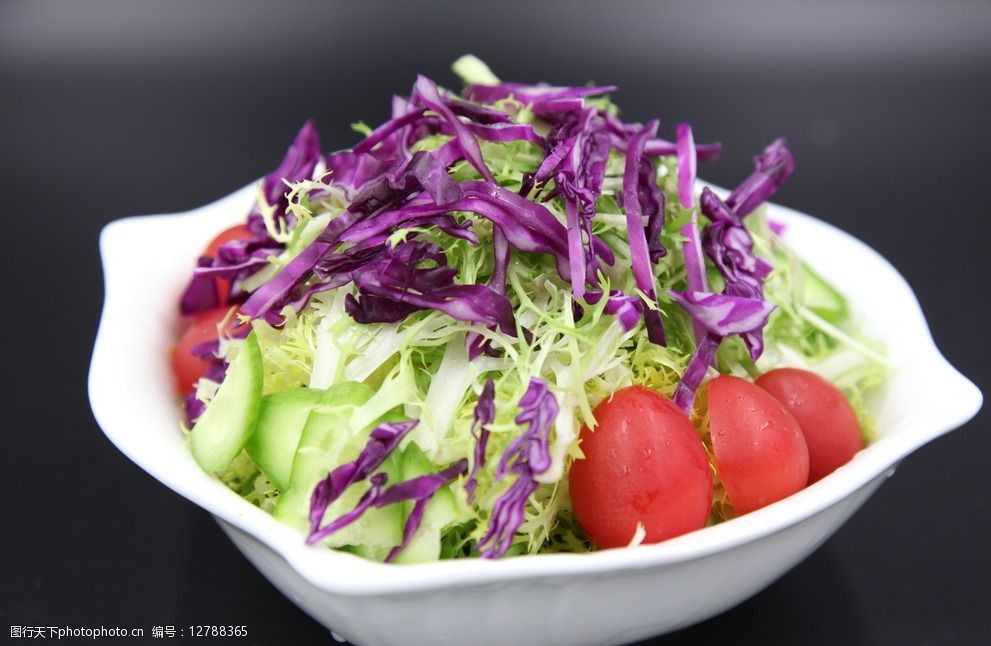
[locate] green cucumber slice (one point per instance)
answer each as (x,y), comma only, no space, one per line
(225,426)
(441,511)
(329,439)
(280,424)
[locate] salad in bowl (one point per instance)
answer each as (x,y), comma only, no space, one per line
(507,322)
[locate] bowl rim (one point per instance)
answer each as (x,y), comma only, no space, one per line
(347,574)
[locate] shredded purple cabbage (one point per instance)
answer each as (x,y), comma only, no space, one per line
(427,93)
(773,167)
(741,309)
(483,415)
(627,309)
(389,187)
(731,248)
(418,490)
(705,356)
(298,164)
(687,157)
(639,250)
(201,292)
(239,259)
(692,248)
(724,315)
(382,441)
(527,456)
(193,407)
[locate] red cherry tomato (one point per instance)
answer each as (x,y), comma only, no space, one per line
(187,368)
(759,448)
(645,463)
(828,422)
(238,232)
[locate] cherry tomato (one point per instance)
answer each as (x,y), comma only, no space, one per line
(828,422)
(759,448)
(187,368)
(645,463)
(238,232)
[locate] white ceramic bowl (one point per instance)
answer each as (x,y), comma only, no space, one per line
(605,597)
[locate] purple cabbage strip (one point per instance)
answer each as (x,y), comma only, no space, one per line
(694,262)
(367,500)
(527,456)
(351,170)
(430,98)
(201,292)
(741,308)
(423,171)
(527,225)
(705,356)
(577,151)
(692,247)
(577,260)
(652,207)
(695,275)
(774,166)
(382,441)
(300,161)
(530,93)
(193,408)
(270,297)
(662,148)
(724,315)
(639,252)
(216,372)
(419,490)
(500,256)
(476,113)
(238,259)
(483,415)
(686,165)
(500,132)
(397,144)
(395,277)
(731,248)
(627,309)
(387,130)
(550,109)
(656,147)
(235,261)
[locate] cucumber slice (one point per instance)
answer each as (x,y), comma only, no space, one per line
(328,440)
(280,424)
(225,426)
(441,511)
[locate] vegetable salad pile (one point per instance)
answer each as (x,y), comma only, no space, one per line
(505,322)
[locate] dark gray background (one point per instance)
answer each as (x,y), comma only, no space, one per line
(115,108)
